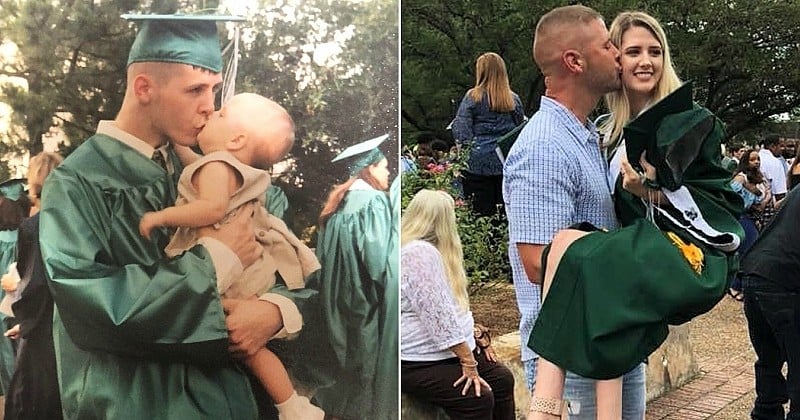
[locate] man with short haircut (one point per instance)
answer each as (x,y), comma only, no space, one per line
(772,165)
(137,335)
(555,175)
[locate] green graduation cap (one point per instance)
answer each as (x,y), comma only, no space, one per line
(13,188)
(186,39)
(672,132)
(361,155)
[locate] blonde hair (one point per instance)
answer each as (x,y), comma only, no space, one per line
(431,217)
(38,168)
(491,79)
(617,102)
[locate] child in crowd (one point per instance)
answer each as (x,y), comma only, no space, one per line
(239,142)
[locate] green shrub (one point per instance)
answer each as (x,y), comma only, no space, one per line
(484,238)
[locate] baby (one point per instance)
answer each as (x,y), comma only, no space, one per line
(245,137)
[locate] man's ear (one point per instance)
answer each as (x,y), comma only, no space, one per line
(144,88)
(573,61)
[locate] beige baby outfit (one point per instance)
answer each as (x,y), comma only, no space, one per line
(283,252)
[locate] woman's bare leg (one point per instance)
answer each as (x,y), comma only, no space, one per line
(609,399)
(549,377)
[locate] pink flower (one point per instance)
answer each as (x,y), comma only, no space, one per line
(438,169)
(460,203)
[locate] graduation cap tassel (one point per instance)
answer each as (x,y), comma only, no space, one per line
(229,80)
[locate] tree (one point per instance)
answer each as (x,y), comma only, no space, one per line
(740,55)
(70,58)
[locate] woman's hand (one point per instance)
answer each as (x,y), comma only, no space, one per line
(9,283)
(633,181)
(488,353)
(470,377)
(649,170)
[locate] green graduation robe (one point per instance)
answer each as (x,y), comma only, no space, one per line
(136,335)
(615,293)
(358,293)
(8,254)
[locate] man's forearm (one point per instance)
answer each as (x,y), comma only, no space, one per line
(531,257)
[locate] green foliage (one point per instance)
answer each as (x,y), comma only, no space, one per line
(741,55)
(72,57)
(483,238)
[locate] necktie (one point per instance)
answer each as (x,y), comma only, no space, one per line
(159,159)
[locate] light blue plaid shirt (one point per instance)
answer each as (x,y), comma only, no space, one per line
(554,176)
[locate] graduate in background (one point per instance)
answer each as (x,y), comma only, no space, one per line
(358,288)
(14,208)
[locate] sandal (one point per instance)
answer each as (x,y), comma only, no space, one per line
(737,295)
(550,406)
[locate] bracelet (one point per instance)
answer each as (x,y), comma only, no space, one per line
(472,364)
(477,333)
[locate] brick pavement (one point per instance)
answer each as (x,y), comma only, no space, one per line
(716,386)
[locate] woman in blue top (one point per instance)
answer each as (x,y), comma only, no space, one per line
(488,110)
(751,184)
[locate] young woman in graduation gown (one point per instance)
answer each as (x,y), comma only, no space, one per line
(358,289)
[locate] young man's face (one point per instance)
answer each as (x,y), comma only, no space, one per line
(184,103)
(221,126)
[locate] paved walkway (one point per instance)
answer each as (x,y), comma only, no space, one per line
(717,386)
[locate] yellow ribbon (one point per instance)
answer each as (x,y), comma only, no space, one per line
(693,254)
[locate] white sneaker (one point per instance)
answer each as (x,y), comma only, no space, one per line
(299,408)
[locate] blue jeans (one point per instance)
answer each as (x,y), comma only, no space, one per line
(581,393)
(750,236)
(772,321)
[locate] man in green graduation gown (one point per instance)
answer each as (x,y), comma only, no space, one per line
(137,335)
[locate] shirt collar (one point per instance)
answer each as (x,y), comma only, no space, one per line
(584,132)
(111,129)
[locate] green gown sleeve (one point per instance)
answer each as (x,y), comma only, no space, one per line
(386,389)
(8,252)
(276,201)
